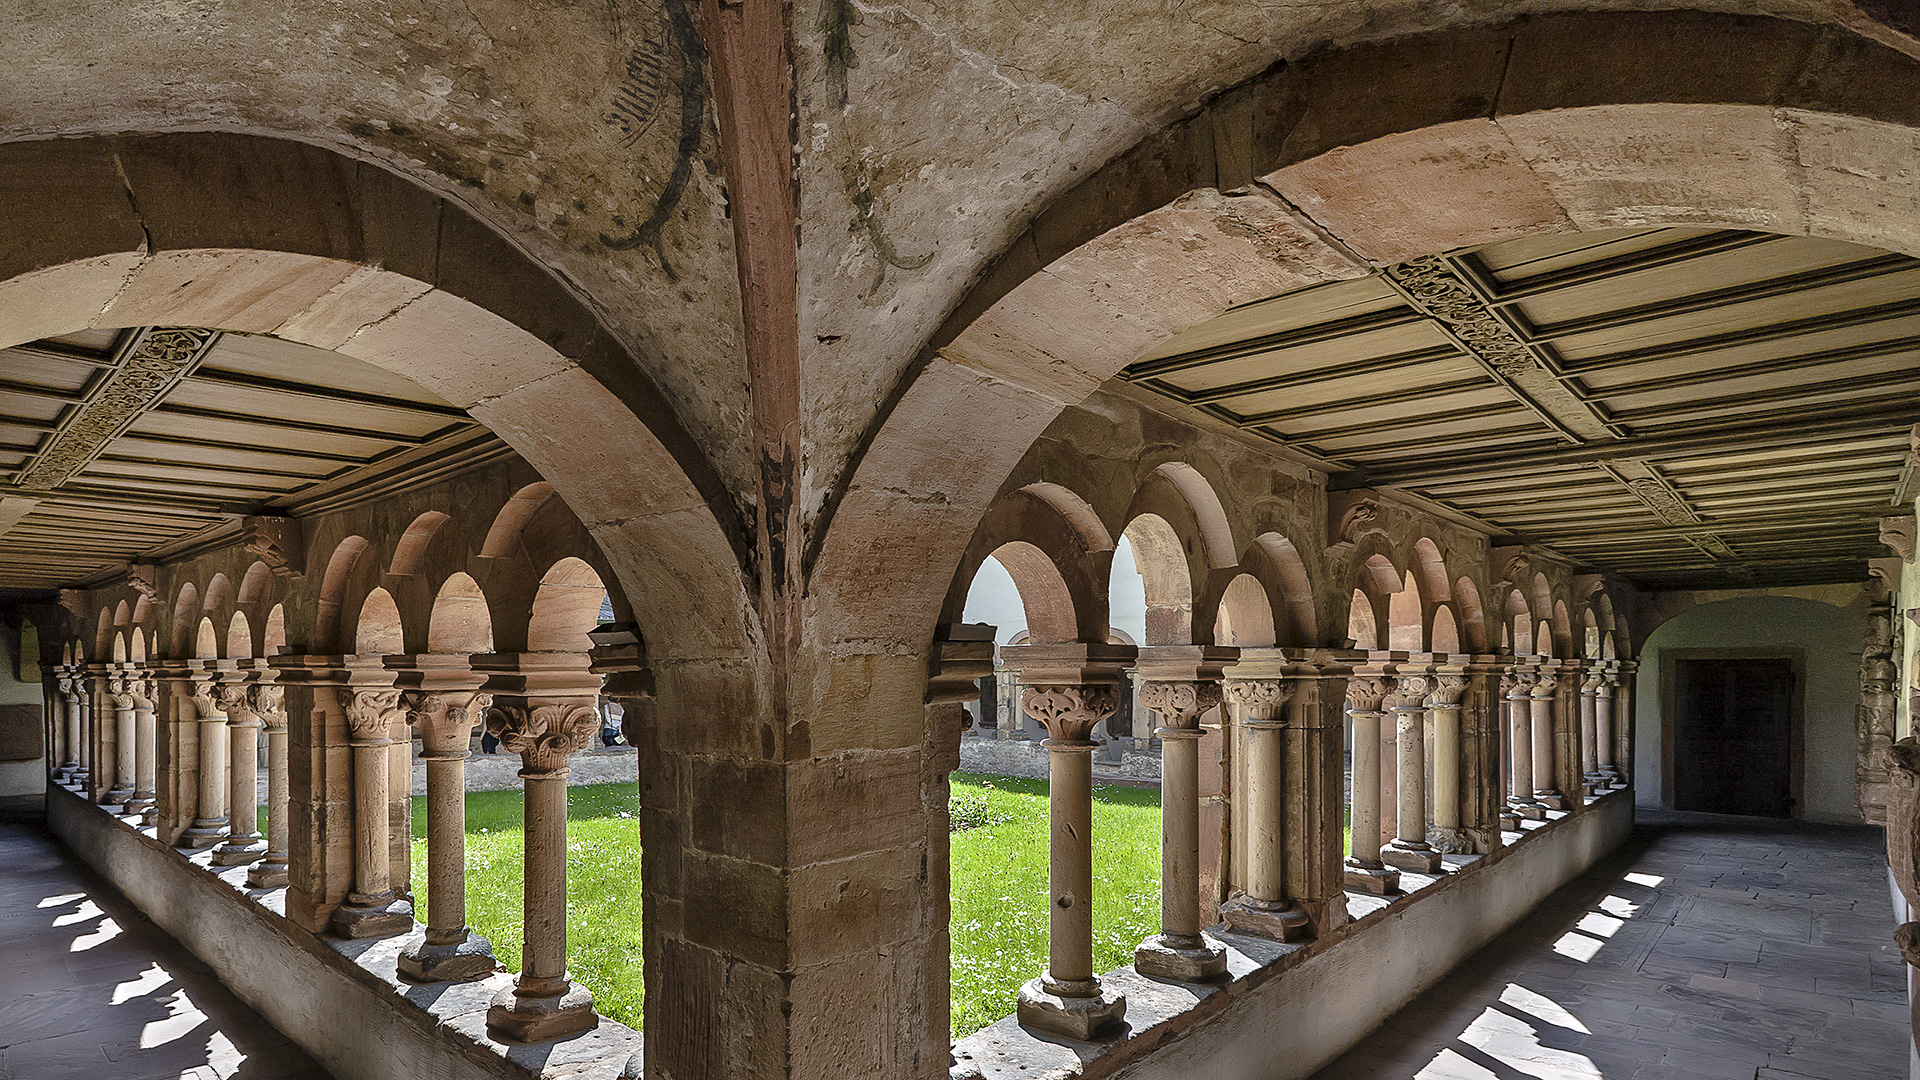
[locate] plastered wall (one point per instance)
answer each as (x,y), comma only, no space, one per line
(19,775)
(1831,638)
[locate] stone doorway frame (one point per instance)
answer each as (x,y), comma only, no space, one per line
(1796,714)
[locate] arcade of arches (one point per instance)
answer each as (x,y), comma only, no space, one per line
(1509,409)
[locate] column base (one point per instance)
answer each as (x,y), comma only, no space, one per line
(141,804)
(1371,879)
(268,873)
(118,797)
(380,916)
(1532,811)
(1450,841)
(239,852)
(112,805)
(1168,958)
(205,833)
(1280,922)
(1415,860)
(1074,1017)
(459,961)
(1510,820)
(513,1018)
(1552,800)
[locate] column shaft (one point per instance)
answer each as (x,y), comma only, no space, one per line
(1446,773)
(271,871)
(125,750)
(210,816)
(1365,869)
(1180,951)
(448,951)
(371,908)
(1541,708)
(146,735)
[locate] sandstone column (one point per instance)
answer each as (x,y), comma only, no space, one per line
(1624,705)
(1264,908)
(1069,999)
(1545,688)
(70,698)
(1365,870)
(210,820)
(146,733)
(372,908)
(103,735)
(448,950)
(1443,701)
(244,843)
(1874,716)
(1315,791)
(124,743)
(1603,727)
(1180,951)
(543,1003)
(1517,686)
(269,703)
(1590,732)
(1409,849)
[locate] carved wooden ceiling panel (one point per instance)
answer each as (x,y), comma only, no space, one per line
(1688,408)
(145,443)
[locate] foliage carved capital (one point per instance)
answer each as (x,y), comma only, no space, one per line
(1069,711)
(1179,704)
(1366,693)
(1259,700)
(544,736)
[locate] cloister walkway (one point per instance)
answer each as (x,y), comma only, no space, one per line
(89,988)
(1707,948)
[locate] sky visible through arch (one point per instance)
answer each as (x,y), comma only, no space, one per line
(993,598)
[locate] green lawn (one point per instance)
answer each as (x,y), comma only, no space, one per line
(999,887)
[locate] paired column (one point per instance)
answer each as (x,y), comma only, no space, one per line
(210,821)
(1264,908)
(119,692)
(1409,849)
(543,1002)
(1443,705)
(1181,950)
(235,691)
(448,950)
(1545,689)
(270,705)
(1365,870)
(102,735)
(1069,999)
(1590,774)
(372,907)
(1623,719)
(70,770)
(146,747)
(1516,687)
(1603,727)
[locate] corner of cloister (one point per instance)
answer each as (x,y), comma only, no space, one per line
(545,540)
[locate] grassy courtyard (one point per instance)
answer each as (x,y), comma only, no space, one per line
(999,887)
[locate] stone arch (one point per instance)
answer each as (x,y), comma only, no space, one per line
(103,632)
(1518,624)
(1049,604)
(1406,622)
(411,548)
(504,535)
(1364,622)
(273,636)
(1161,560)
(294,240)
(186,609)
(1543,644)
(566,608)
(1246,619)
(206,640)
(1562,624)
(1179,492)
(378,631)
(1059,525)
(1472,615)
(1276,564)
(137,647)
(119,653)
(1445,636)
(240,636)
(460,621)
(331,633)
(1375,581)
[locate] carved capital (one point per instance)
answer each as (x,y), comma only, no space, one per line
(270,704)
(144,578)
(1259,699)
(1517,684)
(438,713)
(1070,711)
(370,712)
(545,735)
(1898,534)
(278,542)
(1366,693)
(1410,691)
(1446,692)
(1179,704)
(1545,687)
(235,697)
(1359,519)
(1593,682)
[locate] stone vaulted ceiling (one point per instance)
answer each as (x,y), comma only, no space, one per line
(143,444)
(1686,408)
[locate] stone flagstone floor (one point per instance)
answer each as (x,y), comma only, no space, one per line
(90,989)
(1707,948)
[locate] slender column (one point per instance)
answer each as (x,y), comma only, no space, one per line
(244,843)
(83,704)
(1590,773)
(1545,688)
(1180,951)
(53,722)
(120,692)
(102,732)
(1603,727)
(1365,870)
(1265,908)
(1069,999)
(1443,702)
(1409,849)
(543,1002)
(210,821)
(1517,686)
(270,704)
(448,950)
(372,909)
(70,697)
(1624,706)
(146,737)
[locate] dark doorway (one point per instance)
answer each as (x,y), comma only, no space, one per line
(1733,735)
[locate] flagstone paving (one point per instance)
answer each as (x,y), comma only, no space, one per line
(90,989)
(1707,948)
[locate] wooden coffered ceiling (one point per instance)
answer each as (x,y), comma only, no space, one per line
(1685,408)
(145,443)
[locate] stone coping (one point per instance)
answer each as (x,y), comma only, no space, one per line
(1160,1010)
(452,1015)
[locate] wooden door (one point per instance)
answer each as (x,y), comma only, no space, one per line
(1733,747)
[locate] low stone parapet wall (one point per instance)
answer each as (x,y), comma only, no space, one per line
(342,1001)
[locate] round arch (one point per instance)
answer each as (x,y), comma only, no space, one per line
(460,621)
(565,608)
(1246,620)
